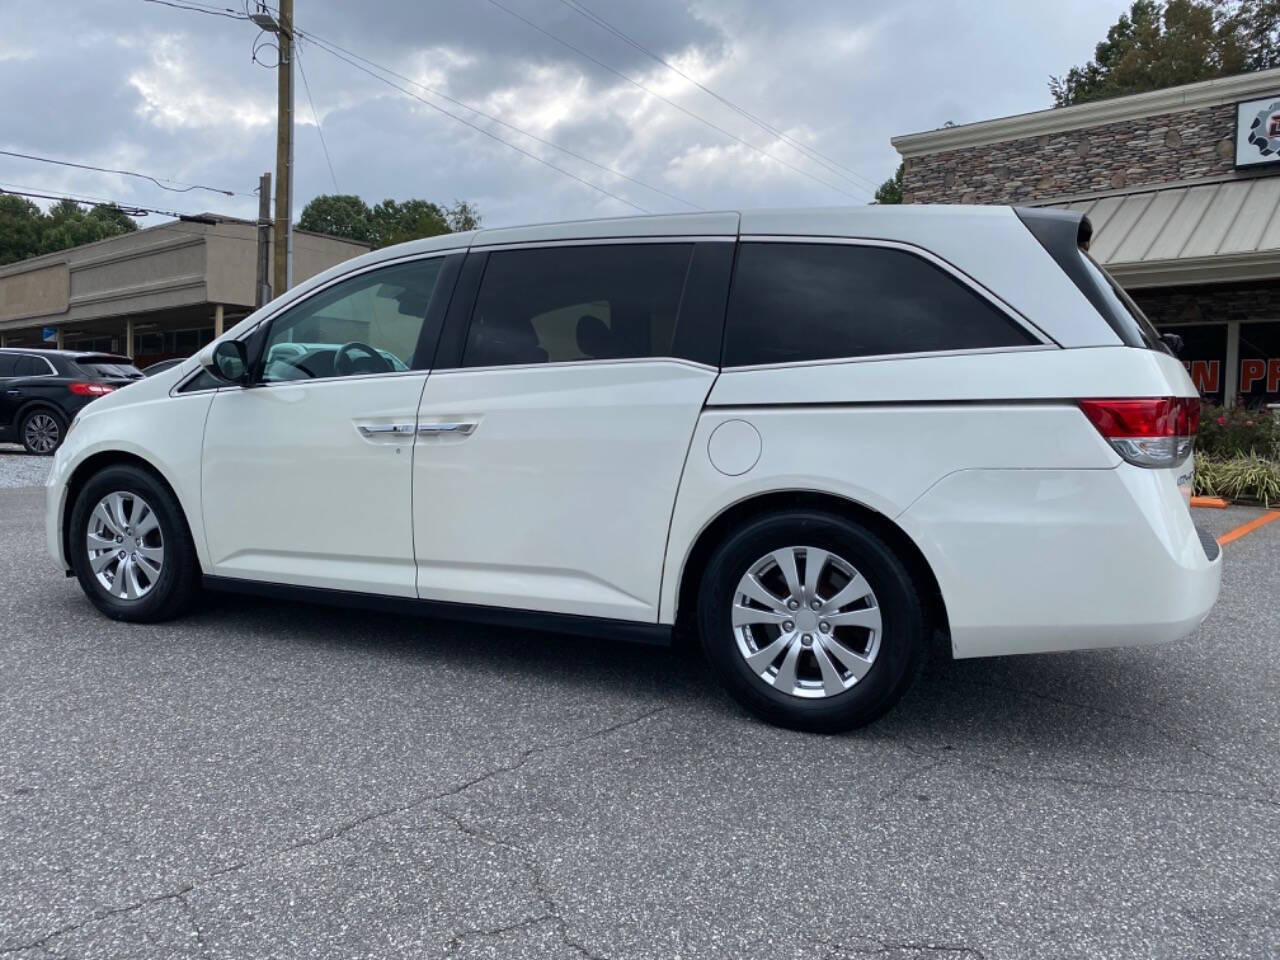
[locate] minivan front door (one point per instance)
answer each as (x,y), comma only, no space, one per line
(548,458)
(306,473)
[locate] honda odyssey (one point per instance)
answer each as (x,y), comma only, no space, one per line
(820,440)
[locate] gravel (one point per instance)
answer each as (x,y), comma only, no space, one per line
(277,780)
(20,469)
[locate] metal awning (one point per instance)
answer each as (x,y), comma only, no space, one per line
(1205,233)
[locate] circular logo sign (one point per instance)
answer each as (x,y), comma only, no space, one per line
(1264,132)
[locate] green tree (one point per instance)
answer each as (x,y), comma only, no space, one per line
(388,222)
(67,224)
(339,215)
(1163,44)
(891,190)
(21,228)
(25,231)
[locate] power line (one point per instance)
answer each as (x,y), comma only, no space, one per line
(319,129)
(672,103)
(209,9)
(480,129)
(129,209)
(813,154)
(510,126)
(184,188)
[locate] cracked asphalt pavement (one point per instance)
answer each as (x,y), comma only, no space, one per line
(277,780)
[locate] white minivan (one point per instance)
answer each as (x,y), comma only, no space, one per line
(819,439)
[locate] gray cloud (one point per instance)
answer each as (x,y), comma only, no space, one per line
(173,93)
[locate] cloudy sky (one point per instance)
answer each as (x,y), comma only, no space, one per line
(175,93)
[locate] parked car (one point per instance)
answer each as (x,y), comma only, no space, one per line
(161,366)
(42,390)
(820,440)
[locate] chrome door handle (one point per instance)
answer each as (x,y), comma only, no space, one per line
(464,427)
(384,429)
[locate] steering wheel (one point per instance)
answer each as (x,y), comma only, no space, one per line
(348,361)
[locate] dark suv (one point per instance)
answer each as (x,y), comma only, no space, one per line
(41,390)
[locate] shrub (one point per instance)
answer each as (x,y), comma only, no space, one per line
(1239,478)
(1238,432)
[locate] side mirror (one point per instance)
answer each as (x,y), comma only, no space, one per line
(1174,342)
(227,361)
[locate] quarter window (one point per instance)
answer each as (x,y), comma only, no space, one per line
(369,324)
(30,367)
(557,304)
(8,365)
(793,302)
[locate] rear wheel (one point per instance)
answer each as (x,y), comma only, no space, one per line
(811,621)
(130,547)
(41,432)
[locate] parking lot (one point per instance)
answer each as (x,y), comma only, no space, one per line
(276,780)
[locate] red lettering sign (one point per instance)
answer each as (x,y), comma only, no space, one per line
(1251,371)
(1273,375)
(1204,374)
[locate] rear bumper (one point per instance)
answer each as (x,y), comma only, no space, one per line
(1034,561)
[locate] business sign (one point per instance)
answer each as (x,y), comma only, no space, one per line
(1257,376)
(1258,132)
(49,335)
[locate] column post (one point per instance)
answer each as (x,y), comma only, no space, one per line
(1231,376)
(128,338)
(217,320)
(58,342)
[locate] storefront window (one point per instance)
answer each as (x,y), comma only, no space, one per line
(1260,363)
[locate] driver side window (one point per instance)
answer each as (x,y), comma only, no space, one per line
(366,325)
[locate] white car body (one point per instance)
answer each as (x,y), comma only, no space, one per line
(583,488)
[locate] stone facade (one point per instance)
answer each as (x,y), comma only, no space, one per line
(1173,305)
(1162,149)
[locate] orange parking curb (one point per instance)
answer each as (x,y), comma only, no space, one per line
(1216,502)
(1248,528)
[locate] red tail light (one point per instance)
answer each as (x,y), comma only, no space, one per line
(1147,431)
(81,389)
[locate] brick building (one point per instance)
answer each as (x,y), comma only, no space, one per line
(1182,187)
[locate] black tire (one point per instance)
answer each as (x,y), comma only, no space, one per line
(35,441)
(900,599)
(178,582)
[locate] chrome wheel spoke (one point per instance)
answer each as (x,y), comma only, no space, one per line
(103,516)
(855,663)
(115,505)
(855,589)
(832,682)
(742,616)
(786,561)
(750,586)
(762,660)
(815,561)
(868,617)
(153,555)
(99,542)
(146,522)
(100,562)
(786,678)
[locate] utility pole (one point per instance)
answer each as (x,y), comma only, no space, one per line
(262,293)
(282,27)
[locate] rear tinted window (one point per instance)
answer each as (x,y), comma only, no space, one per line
(812,301)
(30,367)
(8,363)
(109,371)
(556,304)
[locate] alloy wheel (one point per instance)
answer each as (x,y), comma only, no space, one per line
(806,622)
(41,433)
(125,545)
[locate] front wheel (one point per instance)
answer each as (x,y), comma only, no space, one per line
(130,547)
(811,621)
